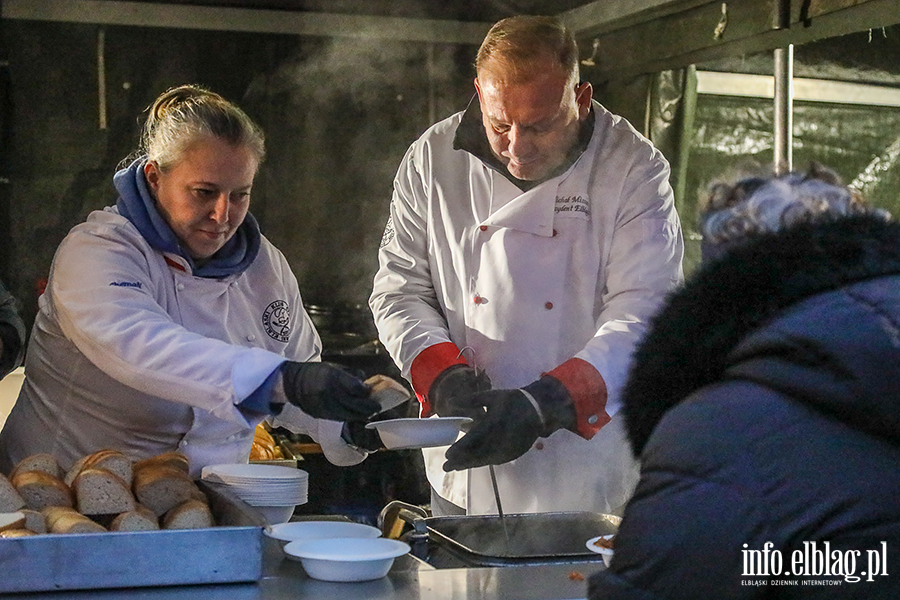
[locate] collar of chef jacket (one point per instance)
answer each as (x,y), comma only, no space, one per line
(471,137)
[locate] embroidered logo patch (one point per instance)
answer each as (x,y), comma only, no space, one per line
(388,234)
(276,320)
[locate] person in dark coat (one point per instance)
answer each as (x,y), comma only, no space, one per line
(764,406)
(12,333)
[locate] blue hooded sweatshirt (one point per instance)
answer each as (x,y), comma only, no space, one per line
(137,204)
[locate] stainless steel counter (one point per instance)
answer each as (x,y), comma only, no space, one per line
(409,579)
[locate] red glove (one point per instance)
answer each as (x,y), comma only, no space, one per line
(588,391)
(428,366)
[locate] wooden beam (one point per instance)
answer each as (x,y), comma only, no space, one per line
(602,16)
(183,16)
(805,89)
(696,35)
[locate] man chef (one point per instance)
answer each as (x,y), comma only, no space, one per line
(530,238)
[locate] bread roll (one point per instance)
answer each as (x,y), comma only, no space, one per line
(10,499)
(99,491)
(39,462)
(191,514)
(12,520)
(161,488)
(40,490)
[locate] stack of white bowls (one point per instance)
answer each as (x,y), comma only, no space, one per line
(338,550)
(274,490)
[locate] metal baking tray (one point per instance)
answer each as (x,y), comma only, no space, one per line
(230,552)
(539,538)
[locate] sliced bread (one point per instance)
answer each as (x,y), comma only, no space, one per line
(139,519)
(112,460)
(191,514)
(99,491)
(10,499)
(11,533)
(387,392)
(170,459)
(39,462)
(12,520)
(34,520)
(17,533)
(161,488)
(40,490)
(63,519)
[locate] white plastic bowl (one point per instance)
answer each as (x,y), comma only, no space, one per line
(347,559)
(317,530)
(607,553)
(401,434)
(276,514)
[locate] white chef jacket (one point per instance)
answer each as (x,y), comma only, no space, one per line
(130,351)
(522,282)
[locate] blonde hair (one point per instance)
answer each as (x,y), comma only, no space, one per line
(183,115)
(515,46)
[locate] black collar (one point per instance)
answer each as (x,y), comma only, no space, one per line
(471,137)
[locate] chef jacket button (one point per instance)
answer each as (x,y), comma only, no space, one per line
(539,446)
(483,228)
(478,300)
(548,305)
(251,337)
(179,287)
(592,419)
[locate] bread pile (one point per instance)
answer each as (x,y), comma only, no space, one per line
(264,446)
(103,491)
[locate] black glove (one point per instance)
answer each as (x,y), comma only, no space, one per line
(452,392)
(356,434)
(327,391)
(512,424)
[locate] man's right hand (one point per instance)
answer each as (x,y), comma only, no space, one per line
(327,391)
(452,393)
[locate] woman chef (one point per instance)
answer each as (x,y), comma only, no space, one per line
(169,322)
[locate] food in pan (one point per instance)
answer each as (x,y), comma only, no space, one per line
(605,542)
(12,520)
(39,462)
(112,460)
(10,499)
(40,490)
(139,519)
(264,446)
(190,514)
(106,491)
(102,492)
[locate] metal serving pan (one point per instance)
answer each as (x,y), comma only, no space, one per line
(229,552)
(517,539)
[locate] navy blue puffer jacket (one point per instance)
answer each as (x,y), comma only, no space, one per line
(765,407)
